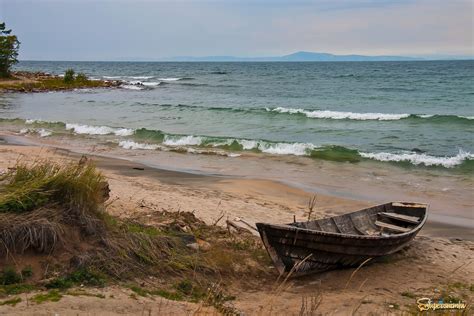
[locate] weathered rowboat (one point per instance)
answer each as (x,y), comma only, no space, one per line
(342,241)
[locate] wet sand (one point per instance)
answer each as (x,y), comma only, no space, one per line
(281,188)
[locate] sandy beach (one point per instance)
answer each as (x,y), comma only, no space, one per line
(440,260)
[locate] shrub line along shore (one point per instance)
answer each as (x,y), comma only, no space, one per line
(24,81)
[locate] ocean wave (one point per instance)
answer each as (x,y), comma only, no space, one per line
(189,140)
(98,130)
(337,115)
(170,79)
(40,131)
(128,144)
(297,149)
(151,83)
(141,77)
(131,87)
(112,77)
(229,146)
(341,115)
(421,158)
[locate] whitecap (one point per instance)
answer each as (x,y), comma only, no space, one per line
(128,144)
(189,140)
(169,79)
(151,83)
(43,132)
(142,77)
(131,87)
(248,144)
(417,159)
(98,130)
(297,149)
(337,115)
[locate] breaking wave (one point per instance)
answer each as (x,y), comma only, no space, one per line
(147,139)
(421,158)
(98,130)
(340,115)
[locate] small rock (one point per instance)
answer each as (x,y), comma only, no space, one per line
(391,306)
(203,245)
(194,246)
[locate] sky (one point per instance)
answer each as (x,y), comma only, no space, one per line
(148,30)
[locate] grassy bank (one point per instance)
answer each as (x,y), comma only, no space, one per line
(57,235)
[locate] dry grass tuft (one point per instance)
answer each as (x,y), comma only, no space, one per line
(60,210)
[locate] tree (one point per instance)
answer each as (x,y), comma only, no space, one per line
(9,46)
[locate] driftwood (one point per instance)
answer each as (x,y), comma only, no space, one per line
(240,228)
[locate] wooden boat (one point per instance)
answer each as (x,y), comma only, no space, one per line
(342,241)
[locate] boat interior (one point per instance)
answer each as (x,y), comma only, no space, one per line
(382,220)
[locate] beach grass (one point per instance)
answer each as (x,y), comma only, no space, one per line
(59,209)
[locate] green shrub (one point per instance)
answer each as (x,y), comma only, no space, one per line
(81,77)
(81,276)
(10,276)
(69,76)
(27,272)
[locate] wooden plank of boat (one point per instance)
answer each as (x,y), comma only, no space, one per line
(409,205)
(401,217)
(392,227)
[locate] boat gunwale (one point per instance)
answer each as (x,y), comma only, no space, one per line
(415,229)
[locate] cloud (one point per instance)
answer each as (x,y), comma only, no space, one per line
(104,30)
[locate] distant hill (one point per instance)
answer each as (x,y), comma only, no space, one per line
(298,56)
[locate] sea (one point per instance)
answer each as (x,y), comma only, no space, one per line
(418,113)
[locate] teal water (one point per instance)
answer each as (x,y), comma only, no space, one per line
(418,113)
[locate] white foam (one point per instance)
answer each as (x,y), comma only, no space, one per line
(112,77)
(248,144)
(151,84)
(169,79)
(142,77)
(124,132)
(297,149)
(131,87)
(98,130)
(128,144)
(468,117)
(44,133)
(336,115)
(182,140)
(426,115)
(233,155)
(417,159)
(41,131)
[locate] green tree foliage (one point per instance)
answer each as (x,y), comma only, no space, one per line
(69,76)
(9,46)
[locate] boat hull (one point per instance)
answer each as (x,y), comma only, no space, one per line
(301,250)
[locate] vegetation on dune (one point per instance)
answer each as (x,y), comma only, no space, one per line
(60,209)
(22,81)
(9,46)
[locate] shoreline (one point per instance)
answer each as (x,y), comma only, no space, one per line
(287,195)
(439,260)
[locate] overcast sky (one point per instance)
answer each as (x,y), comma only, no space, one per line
(131,30)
